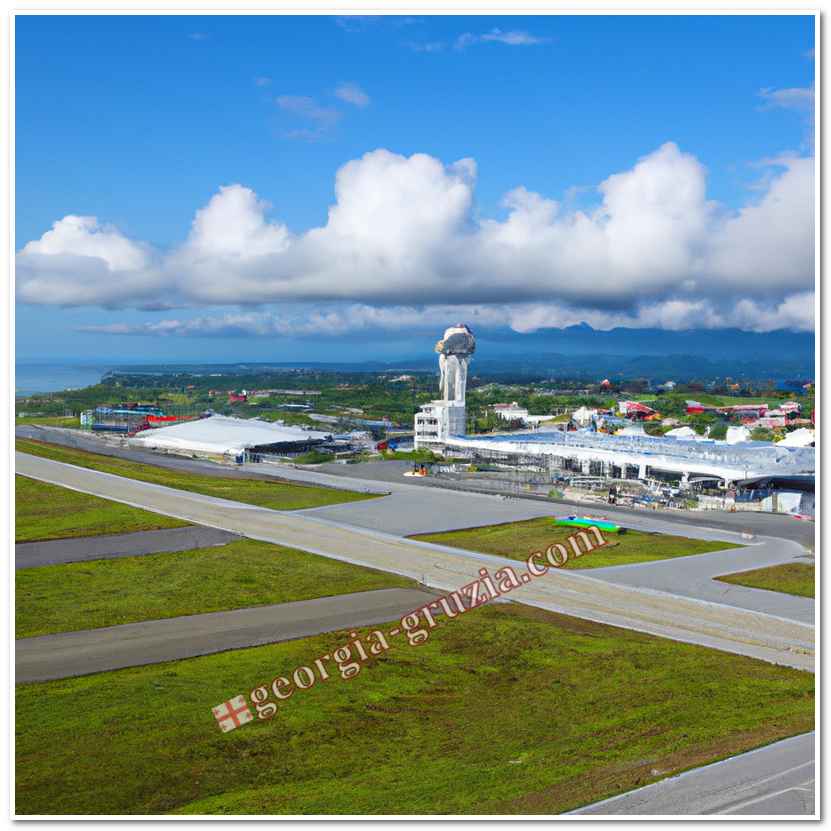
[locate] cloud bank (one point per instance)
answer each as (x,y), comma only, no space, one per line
(404,240)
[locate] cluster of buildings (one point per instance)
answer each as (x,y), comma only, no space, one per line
(243,396)
(513,413)
(626,455)
(786,413)
(126,419)
(216,437)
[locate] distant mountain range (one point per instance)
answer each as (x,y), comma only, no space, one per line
(708,343)
(583,352)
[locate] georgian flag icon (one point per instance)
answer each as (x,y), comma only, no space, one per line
(232,714)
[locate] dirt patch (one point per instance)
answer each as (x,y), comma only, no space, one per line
(618,779)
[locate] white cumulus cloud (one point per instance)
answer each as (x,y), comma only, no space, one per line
(83,262)
(352,94)
(516,37)
(404,233)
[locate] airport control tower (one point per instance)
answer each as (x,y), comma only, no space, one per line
(446,416)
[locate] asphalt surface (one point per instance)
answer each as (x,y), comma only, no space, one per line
(778,779)
(410,509)
(49,657)
(695,576)
(720,626)
(406,512)
(392,473)
(109,546)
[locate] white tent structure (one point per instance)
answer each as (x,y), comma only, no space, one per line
(583,416)
(738,434)
(682,433)
(224,436)
(803,437)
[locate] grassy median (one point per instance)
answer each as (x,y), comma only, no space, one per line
(506,710)
(518,539)
(89,595)
(277,494)
(48,512)
(790,578)
(49,421)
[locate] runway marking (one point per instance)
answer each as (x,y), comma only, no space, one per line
(763,797)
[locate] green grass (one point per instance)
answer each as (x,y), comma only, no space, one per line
(313,457)
(48,512)
(49,421)
(277,494)
(790,578)
(505,710)
(518,539)
(243,573)
(420,455)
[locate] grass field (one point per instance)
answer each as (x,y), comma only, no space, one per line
(518,539)
(277,494)
(243,573)
(790,578)
(50,421)
(48,512)
(505,710)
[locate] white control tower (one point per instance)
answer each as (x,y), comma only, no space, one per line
(446,417)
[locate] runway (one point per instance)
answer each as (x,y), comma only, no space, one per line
(778,779)
(681,618)
(49,657)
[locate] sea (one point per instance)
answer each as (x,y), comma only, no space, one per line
(31,378)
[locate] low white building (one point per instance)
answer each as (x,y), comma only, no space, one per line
(510,412)
(439,420)
(583,416)
(222,436)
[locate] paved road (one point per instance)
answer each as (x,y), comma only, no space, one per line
(777,779)
(695,577)
(719,626)
(405,512)
(151,642)
(410,509)
(109,546)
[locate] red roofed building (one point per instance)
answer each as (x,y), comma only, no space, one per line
(634,409)
(746,410)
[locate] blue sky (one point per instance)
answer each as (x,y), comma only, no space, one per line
(138,121)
